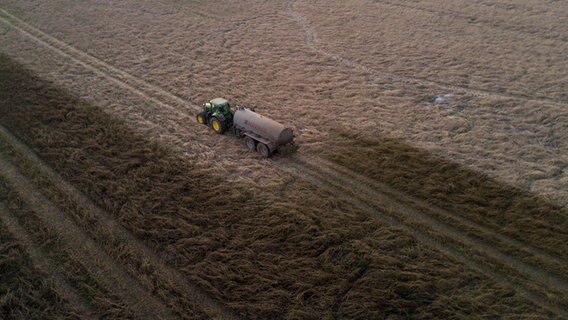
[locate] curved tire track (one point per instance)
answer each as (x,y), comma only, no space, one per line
(409,82)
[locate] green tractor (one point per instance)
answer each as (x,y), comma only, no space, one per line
(260,133)
(217,114)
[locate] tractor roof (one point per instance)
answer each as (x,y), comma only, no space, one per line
(218,101)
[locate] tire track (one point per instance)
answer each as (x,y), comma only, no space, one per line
(426,230)
(407,81)
(102,268)
(119,77)
(60,285)
(396,198)
(175,106)
(300,170)
(173,278)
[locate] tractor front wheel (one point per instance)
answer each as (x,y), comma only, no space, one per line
(202,117)
(218,126)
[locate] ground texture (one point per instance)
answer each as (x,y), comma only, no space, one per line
(115,203)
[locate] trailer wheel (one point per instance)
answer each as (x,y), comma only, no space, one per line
(263,150)
(202,117)
(218,126)
(250,143)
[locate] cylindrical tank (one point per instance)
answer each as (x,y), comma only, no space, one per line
(267,128)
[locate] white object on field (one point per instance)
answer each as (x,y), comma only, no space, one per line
(442,98)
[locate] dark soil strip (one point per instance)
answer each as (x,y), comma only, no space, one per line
(24,291)
(72,267)
(540,288)
(99,264)
(172,286)
(59,282)
(364,187)
(457,189)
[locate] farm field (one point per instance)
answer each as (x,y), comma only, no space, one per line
(115,203)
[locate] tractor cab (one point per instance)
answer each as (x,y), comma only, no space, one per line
(222,105)
(217,114)
(218,106)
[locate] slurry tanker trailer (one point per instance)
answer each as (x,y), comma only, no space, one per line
(260,133)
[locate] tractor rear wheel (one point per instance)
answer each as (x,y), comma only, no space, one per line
(250,143)
(263,150)
(202,117)
(218,125)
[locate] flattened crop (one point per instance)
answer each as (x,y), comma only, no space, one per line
(286,250)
